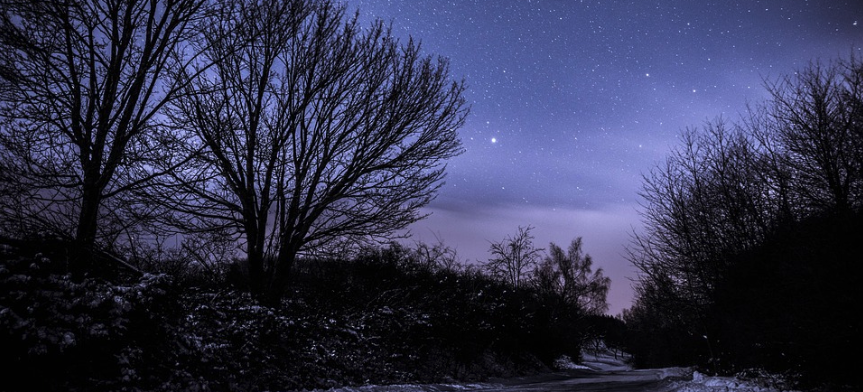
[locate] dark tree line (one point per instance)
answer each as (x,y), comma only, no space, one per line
(282,124)
(749,255)
(561,276)
(390,315)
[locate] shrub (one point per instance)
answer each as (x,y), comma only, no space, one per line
(95,334)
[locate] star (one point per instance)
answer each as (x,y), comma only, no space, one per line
(572,101)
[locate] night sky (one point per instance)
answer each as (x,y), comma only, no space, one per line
(572,101)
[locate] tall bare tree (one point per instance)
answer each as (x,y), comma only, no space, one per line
(314,131)
(80,84)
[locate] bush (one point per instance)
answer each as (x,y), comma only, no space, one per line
(787,308)
(96,334)
(382,318)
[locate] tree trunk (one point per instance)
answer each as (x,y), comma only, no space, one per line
(281,270)
(255,260)
(256,272)
(85,234)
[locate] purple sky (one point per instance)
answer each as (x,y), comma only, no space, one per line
(571,101)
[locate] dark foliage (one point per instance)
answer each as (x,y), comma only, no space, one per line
(58,333)
(659,337)
(750,257)
(792,307)
(470,324)
(612,331)
(385,317)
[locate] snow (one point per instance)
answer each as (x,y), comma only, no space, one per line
(411,388)
(698,383)
(679,379)
(603,365)
(565,363)
(603,359)
(703,383)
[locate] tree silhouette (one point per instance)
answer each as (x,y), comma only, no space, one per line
(514,258)
(749,222)
(80,85)
(309,131)
(571,275)
(814,115)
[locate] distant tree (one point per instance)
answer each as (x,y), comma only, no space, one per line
(570,275)
(81,83)
(659,327)
(546,279)
(437,256)
(610,331)
(514,258)
(313,130)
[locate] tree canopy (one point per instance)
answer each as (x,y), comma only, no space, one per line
(748,223)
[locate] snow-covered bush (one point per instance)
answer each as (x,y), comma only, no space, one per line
(63,333)
(374,320)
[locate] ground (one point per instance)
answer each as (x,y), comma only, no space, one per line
(597,371)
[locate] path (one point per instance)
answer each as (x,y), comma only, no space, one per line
(596,373)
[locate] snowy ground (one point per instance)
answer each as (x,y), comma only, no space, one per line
(702,383)
(613,368)
(603,371)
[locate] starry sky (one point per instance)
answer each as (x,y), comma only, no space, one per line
(572,101)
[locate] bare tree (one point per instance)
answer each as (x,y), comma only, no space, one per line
(80,84)
(731,192)
(814,115)
(706,203)
(437,256)
(314,131)
(571,275)
(514,258)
